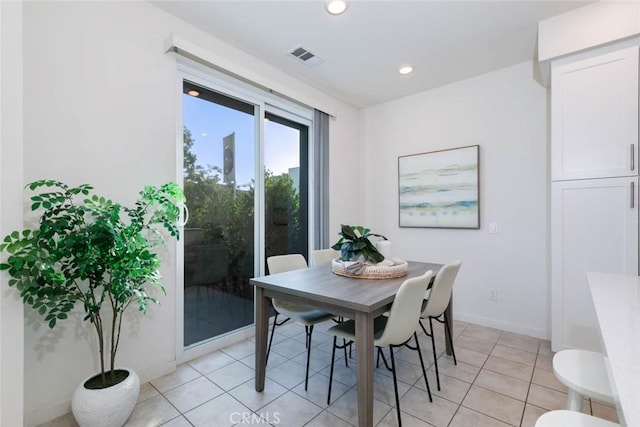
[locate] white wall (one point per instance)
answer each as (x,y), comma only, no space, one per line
(505,112)
(344,172)
(100,107)
(11,309)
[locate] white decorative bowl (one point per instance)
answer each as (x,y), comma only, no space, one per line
(387,269)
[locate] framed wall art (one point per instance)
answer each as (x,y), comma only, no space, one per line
(440,189)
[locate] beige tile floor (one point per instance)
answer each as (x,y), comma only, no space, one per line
(502,379)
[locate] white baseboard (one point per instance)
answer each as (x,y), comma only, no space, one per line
(151,373)
(34,418)
(503,326)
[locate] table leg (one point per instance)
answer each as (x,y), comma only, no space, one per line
(449,311)
(262,328)
(364,366)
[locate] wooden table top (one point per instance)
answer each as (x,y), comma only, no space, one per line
(320,284)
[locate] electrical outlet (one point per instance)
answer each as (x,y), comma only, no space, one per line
(493,295)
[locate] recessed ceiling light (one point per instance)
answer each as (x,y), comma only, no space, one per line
(336,7)
(405,69)
(193,92)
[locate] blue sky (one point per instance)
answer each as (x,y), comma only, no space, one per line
(210,122)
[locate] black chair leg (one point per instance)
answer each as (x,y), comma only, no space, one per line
(273,329)
(344,344)
(333,358)
(340,319)
(423,328)
(424,371)
(435,356)
(448,334)
(395,386)
(309,332)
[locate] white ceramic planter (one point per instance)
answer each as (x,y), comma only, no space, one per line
(108,407)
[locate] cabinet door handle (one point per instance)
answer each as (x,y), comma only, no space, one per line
(633,157)
(633,194)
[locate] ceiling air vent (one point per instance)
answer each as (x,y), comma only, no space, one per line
(302,54)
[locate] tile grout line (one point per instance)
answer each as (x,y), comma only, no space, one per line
(326,409)
(533,372)
(474,383)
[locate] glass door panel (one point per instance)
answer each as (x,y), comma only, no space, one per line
(286,186)
(219,177)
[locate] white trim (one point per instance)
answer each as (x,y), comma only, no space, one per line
(217,81)
(288,110)
(179,277)
(259,203)
(503,326)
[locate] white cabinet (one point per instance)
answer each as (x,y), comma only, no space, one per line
(594,227)
(594,194)
(594,116)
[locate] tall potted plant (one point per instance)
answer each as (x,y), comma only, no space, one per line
(91,251)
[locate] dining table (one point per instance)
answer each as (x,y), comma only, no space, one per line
(354,298)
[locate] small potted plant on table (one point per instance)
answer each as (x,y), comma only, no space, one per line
(360,258)
(354,244)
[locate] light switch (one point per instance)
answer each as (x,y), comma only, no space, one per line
(493,227)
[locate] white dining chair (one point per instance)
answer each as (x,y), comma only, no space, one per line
(302,313)
(566,418)
(584,373)
(391,331)
(435,306)
(323,256)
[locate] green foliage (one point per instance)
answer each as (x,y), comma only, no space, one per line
(92,251)
(225,213)
(282,210)
(354,241)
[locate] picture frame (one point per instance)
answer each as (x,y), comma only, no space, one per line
(440,189)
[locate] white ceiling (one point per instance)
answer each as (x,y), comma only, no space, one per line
(445,41)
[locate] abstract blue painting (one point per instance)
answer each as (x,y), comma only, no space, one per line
(440,189)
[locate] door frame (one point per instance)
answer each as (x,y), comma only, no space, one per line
(264,101)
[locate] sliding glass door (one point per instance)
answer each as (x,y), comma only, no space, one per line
(236,219)
(219,159)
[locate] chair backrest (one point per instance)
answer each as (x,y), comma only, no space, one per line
(405,311)
(323,256)
(282,263)
(440,292)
